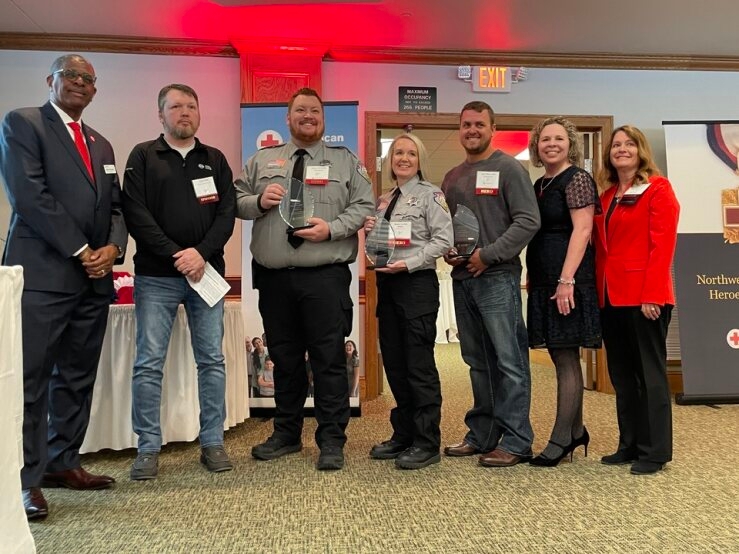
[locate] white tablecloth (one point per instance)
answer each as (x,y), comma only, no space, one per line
(446,321)
(14,530)
(110,418)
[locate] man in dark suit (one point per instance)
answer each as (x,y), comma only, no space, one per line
(67,231)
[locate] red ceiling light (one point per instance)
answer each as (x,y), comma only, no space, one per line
(246,3)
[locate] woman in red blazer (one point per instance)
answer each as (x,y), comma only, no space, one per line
(634,245)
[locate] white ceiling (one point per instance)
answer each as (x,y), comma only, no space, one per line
(662,27)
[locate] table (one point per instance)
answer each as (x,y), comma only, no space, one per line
(110,417)
(446,320)
(14,530)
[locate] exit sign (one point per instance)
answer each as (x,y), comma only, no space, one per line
(488,78)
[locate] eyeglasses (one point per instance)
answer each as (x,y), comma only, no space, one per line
(73,75)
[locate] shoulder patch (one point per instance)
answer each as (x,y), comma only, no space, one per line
(363,172)
(440,199)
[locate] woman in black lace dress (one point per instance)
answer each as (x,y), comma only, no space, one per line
(563,304)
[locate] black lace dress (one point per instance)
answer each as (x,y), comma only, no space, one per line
(571,189)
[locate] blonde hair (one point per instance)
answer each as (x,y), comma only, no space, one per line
(608,176)
(574,154)
(422,156)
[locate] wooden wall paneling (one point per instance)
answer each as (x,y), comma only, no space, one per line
(272,72)
(276,87)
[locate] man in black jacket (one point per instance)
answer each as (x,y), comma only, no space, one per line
(178,202)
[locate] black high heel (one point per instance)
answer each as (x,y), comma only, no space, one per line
(584,440)
(543,461)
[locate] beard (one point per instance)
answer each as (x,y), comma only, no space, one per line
(306,137)
(182,132)
(478,149)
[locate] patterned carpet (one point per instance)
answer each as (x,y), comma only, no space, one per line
(286,506)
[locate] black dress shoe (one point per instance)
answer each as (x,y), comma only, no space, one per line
(645,467)
(77,479)
(618,458)
(417,458)
(35,503)
(388,450)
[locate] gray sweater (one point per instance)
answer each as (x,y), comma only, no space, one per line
(508,220)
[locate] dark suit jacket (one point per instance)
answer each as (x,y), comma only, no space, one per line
(633,256)
(56,206)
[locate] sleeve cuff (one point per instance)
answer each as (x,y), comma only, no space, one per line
(82,249)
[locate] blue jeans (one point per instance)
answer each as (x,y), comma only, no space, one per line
(494,344)
(157,300)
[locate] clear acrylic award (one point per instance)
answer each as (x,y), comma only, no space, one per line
(297,206)
(466,229)
(379,244)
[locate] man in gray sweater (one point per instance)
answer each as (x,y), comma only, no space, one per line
(487,295)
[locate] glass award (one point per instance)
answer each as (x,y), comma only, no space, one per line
(297,206)
(466,229)
(379,244)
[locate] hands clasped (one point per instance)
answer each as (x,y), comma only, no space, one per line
(98,263)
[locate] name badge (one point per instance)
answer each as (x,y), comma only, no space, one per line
(205,190)
(109,169)
(316,175)
(487,183)
(402,232)
(632,195)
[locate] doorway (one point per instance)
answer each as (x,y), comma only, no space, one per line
(376,125)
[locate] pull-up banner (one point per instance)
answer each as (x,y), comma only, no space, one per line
(265,125)
(702,167)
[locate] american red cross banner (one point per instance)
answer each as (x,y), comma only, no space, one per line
(264,125)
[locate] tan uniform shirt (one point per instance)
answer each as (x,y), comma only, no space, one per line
(343,203)
(423,205)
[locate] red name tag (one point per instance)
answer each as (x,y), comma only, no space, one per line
(208,199)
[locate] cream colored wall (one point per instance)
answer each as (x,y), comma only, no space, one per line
(641,98)
(125,107)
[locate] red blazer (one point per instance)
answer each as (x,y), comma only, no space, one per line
(633,258)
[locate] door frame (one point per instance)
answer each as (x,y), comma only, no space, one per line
(602,126)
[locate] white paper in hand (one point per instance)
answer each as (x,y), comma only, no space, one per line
(212,287)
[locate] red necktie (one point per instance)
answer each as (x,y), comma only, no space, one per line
(79,141)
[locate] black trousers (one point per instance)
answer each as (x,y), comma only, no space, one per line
(308,309)
(637,364)
(62,338)
(407,307)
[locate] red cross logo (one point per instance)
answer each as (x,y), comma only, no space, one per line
(268,137)
(733,338)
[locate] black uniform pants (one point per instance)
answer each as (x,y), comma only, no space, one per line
(408,304)
(308,309)
(637,364)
